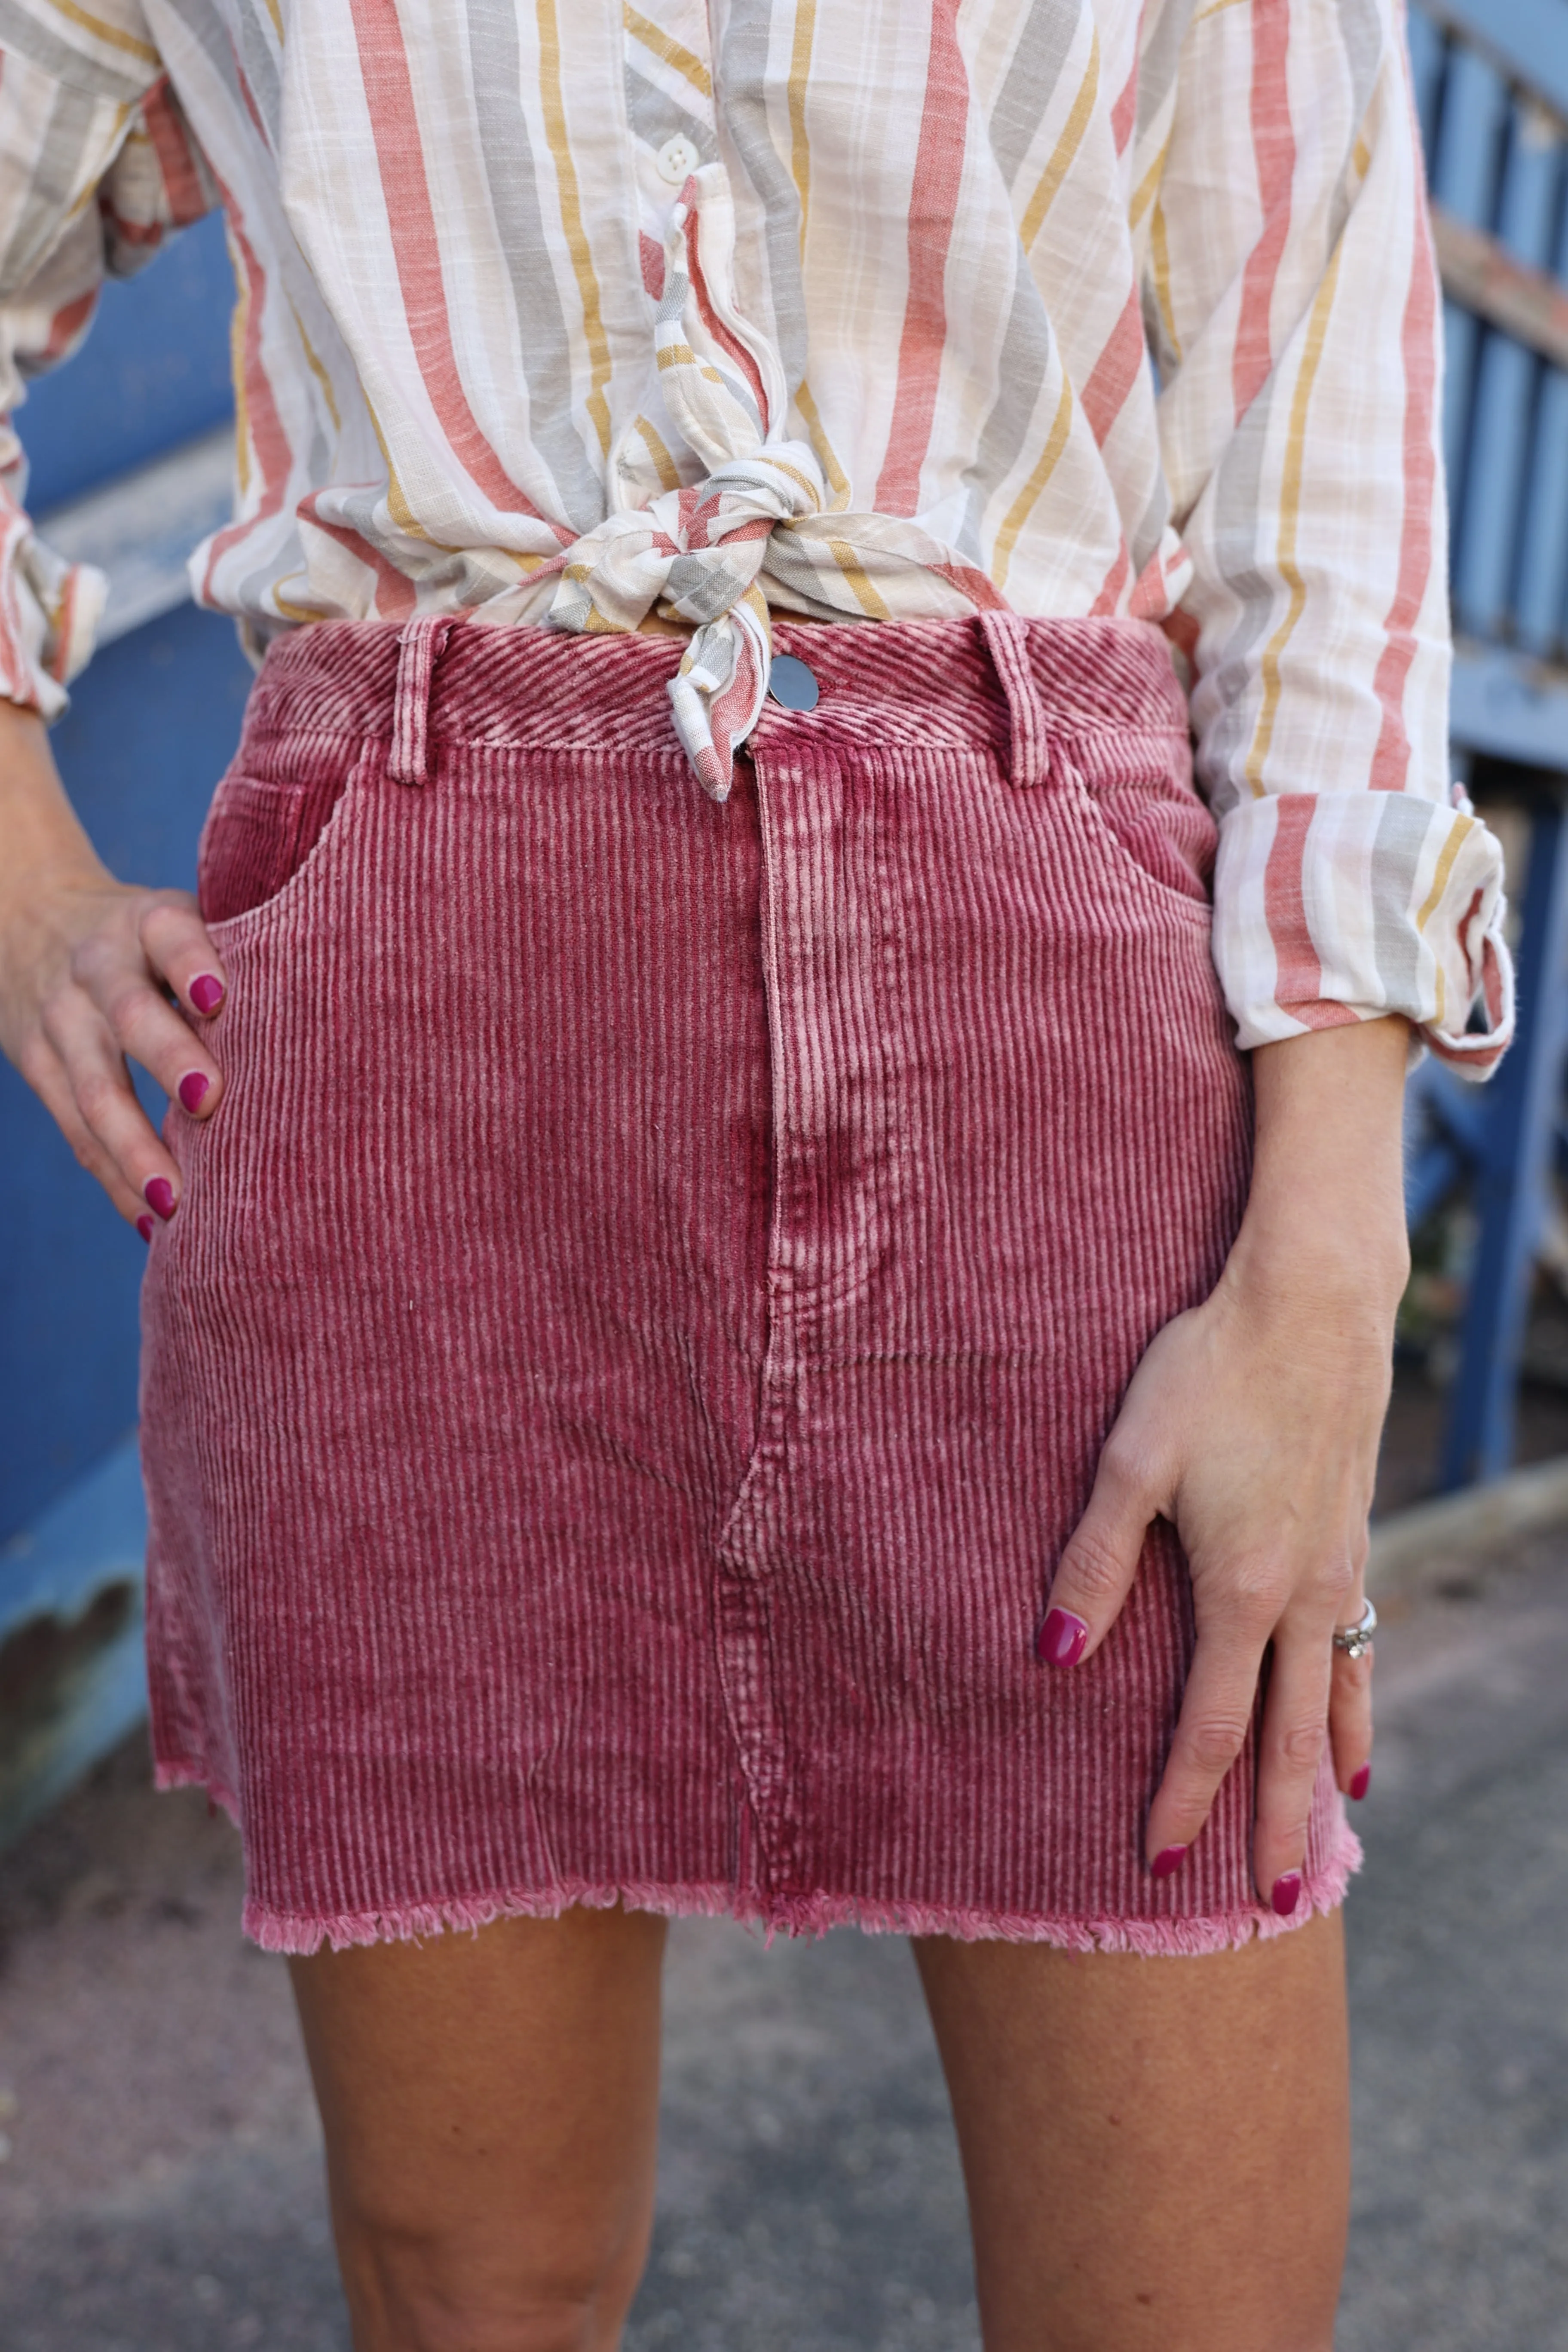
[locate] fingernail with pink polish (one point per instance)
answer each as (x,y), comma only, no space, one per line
(1062,1638)
(1286,1893)
(206,992)
(1169,1858)
(144,1227)
(193,1089)
(1361,1783)
(159,1194)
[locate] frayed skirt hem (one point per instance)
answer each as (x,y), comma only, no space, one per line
(801,1914)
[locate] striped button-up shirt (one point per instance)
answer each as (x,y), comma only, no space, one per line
(563,313)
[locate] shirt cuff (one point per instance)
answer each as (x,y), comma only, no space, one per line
(49,612)
(1338,906)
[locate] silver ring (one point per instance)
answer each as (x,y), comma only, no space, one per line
(1355,1639)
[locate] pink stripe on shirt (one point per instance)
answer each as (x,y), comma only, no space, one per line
(1299,987)
(1274,155)
(939,171)
(400,157)
(1391,759)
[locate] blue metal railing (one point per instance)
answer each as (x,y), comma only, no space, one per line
(1491,88)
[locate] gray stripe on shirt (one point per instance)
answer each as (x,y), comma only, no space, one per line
(21,33)
(513,174)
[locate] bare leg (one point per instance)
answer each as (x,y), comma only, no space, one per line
(490,2105)
(1156,2150)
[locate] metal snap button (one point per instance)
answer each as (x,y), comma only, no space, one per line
(791,684)
(677,160)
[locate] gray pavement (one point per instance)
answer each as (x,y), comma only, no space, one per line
(160,2189)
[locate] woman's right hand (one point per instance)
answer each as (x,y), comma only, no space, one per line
(88,967)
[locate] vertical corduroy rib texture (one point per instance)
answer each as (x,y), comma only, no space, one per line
(639,1329)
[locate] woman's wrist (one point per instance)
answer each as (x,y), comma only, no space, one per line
(1325,1215)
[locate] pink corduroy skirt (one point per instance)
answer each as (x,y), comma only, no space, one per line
(640,1328)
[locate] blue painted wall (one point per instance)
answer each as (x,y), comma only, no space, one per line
(154,371)
(151,727)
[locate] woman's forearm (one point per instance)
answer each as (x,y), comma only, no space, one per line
(40,833)
(1325,1217)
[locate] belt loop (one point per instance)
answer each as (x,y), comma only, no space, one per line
(1007,638)
(419,648)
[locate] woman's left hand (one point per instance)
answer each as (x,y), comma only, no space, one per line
(1252,1424)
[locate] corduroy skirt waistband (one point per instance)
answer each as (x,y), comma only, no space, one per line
(990,683)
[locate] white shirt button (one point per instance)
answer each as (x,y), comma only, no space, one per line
(677,160)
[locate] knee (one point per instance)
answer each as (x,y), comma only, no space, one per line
(423,2321)
(420,2294)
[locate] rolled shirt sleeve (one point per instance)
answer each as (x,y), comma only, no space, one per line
(1292,305)
(97,170)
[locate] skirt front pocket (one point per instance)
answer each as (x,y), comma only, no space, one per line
(261,832)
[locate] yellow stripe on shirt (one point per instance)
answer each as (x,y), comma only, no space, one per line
(555,108)
(663,45)
(110,34)
(1289,517)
